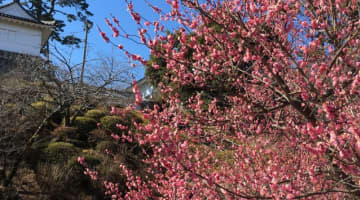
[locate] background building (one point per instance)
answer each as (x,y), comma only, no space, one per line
(20,32)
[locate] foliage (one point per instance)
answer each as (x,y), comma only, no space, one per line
(215,87)
(96,136)
(91,159)
(65,181)
(20,125)
(110,122)
(62,133)
(156,76)
(110,146)
(47,11)
(74,109)
(59,152)
(34,95)
(95,114)
(42,107)
(132,116)
(101,163)
(272,91)
(84,126)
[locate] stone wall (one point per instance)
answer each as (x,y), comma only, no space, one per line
(11,61)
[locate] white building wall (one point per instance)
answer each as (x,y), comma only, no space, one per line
(20,39)
(146,91)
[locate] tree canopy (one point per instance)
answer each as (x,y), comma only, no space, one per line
(72,10)
(290,127)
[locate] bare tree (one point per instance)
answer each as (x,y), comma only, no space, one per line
(28,80)
(101,82)
(19,127)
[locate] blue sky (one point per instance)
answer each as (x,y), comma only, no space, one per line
(97,47)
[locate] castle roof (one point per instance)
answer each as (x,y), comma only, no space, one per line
(14,12)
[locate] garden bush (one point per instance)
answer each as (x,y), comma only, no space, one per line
(77,170)
(109,123)
(74,109)
(95,114)
(84,125)
(133,116)
(97,135)
(91,158)
(66,182)
(78,143)
(109,145)
(69,135)
(42,107)
(59,152)
(62,133)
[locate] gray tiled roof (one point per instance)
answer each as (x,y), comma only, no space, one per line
(33,20)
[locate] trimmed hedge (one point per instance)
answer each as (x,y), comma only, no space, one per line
(63,132)
(109,145)
(42,106)
(77,170)
(84,125)
(109,123)
(91,160)
(97,135)
(74,109)
(69,135)
(78,143)
(131,116)
(59,152)
(95,114)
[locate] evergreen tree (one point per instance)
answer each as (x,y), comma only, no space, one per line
(73,10)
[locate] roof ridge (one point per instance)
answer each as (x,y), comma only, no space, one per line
(6,5)
(27,12)
(34,19)
(21,6)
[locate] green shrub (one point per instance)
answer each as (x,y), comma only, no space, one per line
(84,125)
(42,109)
(92,160)
(78,143)
(62,133)
(69,135)
(42,106)
(109,145)
(40,144)
(112,172)
(59,152)
(131,116)
(95,114)
(109,123)
(104,166)
(77,171)
(74,109)
(9,106)
(96,136)
(62,182)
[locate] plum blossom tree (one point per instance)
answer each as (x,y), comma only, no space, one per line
(286,127)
